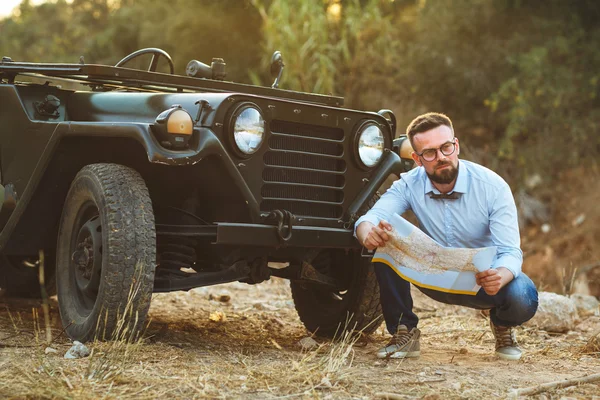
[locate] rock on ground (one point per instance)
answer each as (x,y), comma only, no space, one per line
(556,313)
(78,350)
(586,305)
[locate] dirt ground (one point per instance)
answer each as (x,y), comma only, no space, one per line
(241,341)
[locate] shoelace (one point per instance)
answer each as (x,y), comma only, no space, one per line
(400,338)
(505,336)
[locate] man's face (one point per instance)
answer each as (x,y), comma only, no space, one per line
(444,168)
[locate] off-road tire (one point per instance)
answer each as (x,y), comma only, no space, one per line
(359,309)
(128,254)
(20,281)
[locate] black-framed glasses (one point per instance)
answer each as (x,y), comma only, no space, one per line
(447,149)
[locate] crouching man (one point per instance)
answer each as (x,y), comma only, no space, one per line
(459,204)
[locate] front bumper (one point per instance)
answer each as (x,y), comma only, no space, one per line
(261,235)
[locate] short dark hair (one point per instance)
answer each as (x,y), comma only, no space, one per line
(425,122)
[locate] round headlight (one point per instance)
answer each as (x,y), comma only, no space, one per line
(248,129)
(370,145)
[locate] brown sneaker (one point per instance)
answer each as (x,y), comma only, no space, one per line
(403,344)
(507,347)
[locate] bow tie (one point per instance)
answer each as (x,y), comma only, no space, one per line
(444,196)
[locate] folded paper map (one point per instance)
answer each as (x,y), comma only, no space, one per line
(422,261)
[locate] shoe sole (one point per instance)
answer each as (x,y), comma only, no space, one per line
(400,354)
(509,357)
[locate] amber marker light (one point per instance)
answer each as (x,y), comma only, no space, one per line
(402,147)
(174,127)
(406,149)
(179,122)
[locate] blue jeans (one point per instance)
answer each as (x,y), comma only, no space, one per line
(513,305)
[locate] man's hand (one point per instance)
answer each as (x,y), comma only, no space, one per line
(492,280)
(372,236)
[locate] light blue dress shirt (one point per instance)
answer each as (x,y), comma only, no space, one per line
(483,215)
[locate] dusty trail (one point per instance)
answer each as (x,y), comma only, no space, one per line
(240,341)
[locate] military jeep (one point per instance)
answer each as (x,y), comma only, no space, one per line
(121,182)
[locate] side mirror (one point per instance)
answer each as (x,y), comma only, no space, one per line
(276,67)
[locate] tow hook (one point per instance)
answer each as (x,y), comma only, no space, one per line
(285,220)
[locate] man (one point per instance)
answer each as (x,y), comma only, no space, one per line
(459,204)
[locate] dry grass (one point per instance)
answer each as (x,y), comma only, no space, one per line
(253,354)
(103,368)
(108,361)
(329,366)
(592,347)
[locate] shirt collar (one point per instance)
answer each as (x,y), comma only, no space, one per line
(460,186)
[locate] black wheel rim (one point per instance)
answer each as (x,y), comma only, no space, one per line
(85,264)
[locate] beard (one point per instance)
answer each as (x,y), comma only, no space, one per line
(444,176)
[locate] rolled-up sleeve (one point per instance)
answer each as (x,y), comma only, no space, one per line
(504,228)
(394,200)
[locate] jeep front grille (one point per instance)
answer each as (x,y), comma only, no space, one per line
(304,170)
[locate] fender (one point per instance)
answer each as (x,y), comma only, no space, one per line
(208,144)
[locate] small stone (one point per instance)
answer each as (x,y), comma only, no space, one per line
(49,350)
(456,385)
(224,298)
(463,350)
(308,343)
(438,372)
(78,350)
